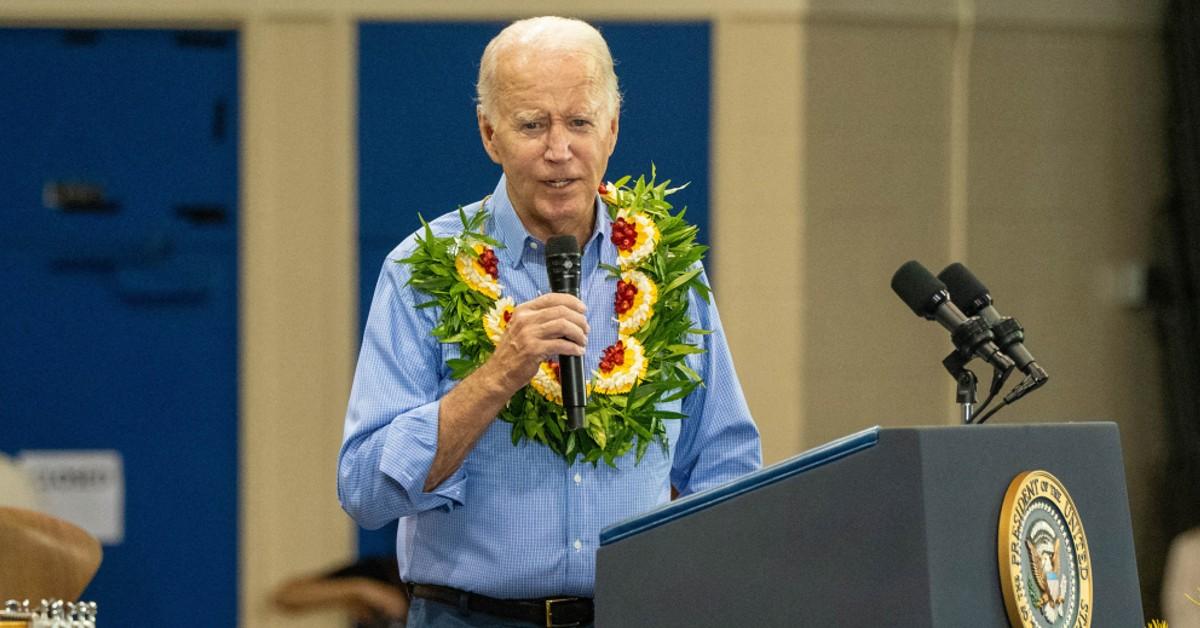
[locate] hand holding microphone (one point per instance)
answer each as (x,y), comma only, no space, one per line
(549,325)
(553,324)
(562,268)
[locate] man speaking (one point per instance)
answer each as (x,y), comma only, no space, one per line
(455,418)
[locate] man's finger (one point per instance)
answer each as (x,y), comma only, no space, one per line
(539,317)
(556,329)
(551,349)
(552,299)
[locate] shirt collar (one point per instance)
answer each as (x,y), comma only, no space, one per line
(512,234)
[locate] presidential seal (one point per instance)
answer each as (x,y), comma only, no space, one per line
(1045,567)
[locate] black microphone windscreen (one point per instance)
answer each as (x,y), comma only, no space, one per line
(966,291)
(917,287)
(562,245)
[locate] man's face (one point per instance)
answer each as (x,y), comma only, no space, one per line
(553,136)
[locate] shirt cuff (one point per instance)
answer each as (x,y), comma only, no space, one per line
(408,452)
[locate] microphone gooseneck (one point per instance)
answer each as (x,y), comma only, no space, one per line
(562,269)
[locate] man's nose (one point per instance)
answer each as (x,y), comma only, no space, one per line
(558,143)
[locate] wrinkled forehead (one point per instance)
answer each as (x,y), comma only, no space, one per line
(524,74)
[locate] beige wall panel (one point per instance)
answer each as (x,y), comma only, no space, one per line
(877,103)
(758,219)
(1066,174)
(298,296)
(1025,168)
(1050,84)
(1089,15)
(894,12)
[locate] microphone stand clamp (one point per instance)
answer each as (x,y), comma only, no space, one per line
(966,383)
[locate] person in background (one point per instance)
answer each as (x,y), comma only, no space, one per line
(369,589)
(1181,581)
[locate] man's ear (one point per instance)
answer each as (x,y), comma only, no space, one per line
(487,133)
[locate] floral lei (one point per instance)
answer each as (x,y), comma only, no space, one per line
(658,261)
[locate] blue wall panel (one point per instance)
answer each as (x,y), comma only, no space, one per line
(419,147)
(118,321)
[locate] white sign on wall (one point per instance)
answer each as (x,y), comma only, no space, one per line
(85,487)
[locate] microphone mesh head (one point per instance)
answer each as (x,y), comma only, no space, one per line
(966,291)
(917,287)
(562,245)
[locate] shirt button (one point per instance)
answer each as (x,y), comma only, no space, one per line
(578,545)
(533,245)
(578,478)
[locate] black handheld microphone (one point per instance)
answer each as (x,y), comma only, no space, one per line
(562,268)
(928,298)
(972,297)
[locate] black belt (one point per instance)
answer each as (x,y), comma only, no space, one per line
(552,612)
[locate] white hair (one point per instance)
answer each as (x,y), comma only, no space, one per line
(540,35)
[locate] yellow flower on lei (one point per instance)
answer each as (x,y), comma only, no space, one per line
(610,193)
(495,321)
(473,273)
(546,383)
(627,364)
(643,245)
(641,309)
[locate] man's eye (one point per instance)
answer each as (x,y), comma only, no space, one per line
(581,122)
(531,126)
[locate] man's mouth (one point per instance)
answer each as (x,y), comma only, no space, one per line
(558,184)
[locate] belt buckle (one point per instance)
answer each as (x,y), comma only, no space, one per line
(550,602)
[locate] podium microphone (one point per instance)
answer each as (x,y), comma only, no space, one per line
(562,268)
(972,297)
(929,298)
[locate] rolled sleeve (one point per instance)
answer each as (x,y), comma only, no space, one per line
(408,451)
(391,429)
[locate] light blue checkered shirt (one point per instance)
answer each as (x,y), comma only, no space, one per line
(516,522)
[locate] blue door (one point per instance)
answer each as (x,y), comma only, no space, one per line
(118,282)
